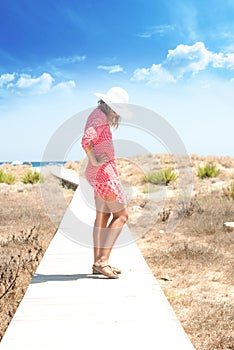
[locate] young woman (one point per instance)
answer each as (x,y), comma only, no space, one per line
(101,173)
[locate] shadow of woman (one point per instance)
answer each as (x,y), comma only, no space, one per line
(39,278)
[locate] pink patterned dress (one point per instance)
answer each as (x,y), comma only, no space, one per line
(104,179)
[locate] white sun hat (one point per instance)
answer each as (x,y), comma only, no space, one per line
(117,99)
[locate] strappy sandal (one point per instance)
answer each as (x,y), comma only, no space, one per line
(99,269)
(114,269)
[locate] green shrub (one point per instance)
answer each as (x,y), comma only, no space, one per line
(32,177)
(209,170)
(7,178)
(229,191)
(161,177)
(2,176)
(148,189)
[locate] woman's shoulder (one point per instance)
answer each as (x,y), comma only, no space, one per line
(97,117)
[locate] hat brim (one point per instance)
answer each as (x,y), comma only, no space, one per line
(120,108)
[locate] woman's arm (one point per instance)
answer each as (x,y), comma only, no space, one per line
(95,161)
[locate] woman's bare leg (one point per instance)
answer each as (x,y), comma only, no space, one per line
(99,232)
(113,231)
(108,235)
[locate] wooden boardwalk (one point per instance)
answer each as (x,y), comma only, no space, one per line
(66,307)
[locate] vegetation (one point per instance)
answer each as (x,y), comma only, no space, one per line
(148,189)
(209,170)
(161,177)
(7,178)
(29,177)
(26,259)
(229,191)
(19,258)
(194,267)
(25,235)
(32,177)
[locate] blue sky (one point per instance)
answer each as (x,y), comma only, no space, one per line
(173,57)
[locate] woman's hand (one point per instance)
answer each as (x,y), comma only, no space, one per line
(96,161)
(100,160)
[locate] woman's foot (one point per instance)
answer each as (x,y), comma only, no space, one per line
(105,270)
(114,269)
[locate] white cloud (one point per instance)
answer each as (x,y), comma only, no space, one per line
(221,60)
(6,78)
(141,74)
(68,60)
(188,58)
(25,83)
(184,59)
(155,75)
(39,85)
(111,69)
(197,57)
(227,35)
(66,85)
(160,30)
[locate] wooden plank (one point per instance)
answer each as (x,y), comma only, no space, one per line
(65,174)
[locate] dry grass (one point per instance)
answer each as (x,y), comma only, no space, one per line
(25,233)
(194,266)
(18,260)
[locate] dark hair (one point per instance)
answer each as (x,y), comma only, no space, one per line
(106,109)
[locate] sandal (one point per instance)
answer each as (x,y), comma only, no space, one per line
(105,270)
(114,269)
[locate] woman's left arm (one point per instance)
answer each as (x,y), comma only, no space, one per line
(96,161)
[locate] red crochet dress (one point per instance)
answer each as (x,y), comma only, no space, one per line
(104,179)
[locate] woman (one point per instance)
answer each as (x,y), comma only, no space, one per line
(101,173)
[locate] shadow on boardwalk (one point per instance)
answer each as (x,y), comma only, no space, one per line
(39,278)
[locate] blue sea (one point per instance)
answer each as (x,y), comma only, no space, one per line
(36,164)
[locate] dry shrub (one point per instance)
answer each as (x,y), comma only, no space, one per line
(192,251)
(211,324)
(188,272)
(130,172)
(227,162)
(19,259)
(188,208)
(184,256)
(194,266)
(229,191)
(214,211)
(72,166)
(25,233)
